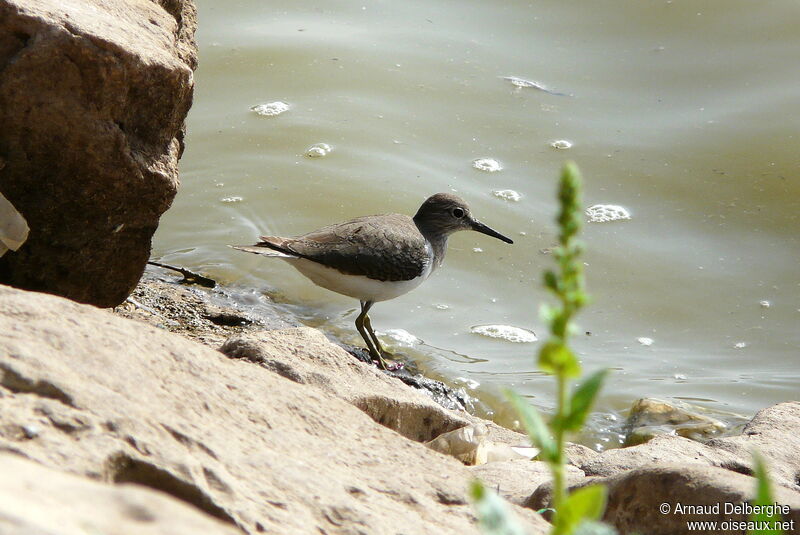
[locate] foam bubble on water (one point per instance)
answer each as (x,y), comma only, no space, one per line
(679,377)
(401,337)
(645,341)
(477,250)
(270,109)
(740,345)
(442,306)
(235,198)
(507,194)
(516,81)
(490,165)
(472,384)
(561,144)
(318,150)
(602,213)
(764,304)
(505,332)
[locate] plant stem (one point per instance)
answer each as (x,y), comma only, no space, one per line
(557,467)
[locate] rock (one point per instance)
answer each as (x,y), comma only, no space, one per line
(208,316)
(39,500)
(93,97)
(515,480)
(775,432)
(635,498)
(650,417)
(13,227)
(123,402)
(471,446)
(305,356)
(661,449)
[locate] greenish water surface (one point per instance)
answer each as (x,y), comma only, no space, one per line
(685,113)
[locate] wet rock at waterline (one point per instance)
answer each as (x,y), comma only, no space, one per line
(650,417)
(93,97)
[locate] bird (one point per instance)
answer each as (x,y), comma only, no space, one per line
(377,257)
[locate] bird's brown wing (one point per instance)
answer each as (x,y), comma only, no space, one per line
(385,247)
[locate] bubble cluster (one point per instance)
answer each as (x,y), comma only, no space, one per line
(505,332)
(602,213)
(507,194)
(561,144)
(270,109)
(401,337)
(489,165)
(318,150)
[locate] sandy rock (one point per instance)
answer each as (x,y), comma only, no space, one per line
(775,432)
(86,392)
(515,480)
(650,417)
(471,445)
(661,449)
(39,500)
(635,498)
(93,97)
(305,356)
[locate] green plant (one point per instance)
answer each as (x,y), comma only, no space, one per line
(584,507)
(763,500)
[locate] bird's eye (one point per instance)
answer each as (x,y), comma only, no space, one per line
(458,213)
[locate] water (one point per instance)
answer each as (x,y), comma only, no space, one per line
(686,114)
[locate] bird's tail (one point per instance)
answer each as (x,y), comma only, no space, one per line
(263,250)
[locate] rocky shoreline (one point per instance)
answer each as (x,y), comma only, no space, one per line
(177,412)
(258,425)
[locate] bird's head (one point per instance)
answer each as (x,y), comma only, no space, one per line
(445,213)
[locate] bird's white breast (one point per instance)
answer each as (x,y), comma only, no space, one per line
(358,286)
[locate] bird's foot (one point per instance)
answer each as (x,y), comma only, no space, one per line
(384,364)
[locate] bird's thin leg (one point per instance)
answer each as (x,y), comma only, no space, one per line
(368,325)
(368,335)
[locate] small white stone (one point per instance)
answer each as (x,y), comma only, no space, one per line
(31,431)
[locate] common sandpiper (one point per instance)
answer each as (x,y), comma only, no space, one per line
(377,257)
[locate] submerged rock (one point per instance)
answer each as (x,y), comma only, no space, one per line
(650,417)
(93,97)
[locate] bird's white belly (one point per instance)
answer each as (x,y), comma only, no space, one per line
(357,286)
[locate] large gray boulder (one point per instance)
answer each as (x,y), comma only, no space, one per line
(93,97)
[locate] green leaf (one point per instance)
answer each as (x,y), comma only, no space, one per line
(551,280)
(585,504)
(535,426)
(763,498)
(494,515)
(582,400)
(556,358)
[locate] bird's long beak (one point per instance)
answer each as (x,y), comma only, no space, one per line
(483,229)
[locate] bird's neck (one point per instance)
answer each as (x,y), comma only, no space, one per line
(437,241)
